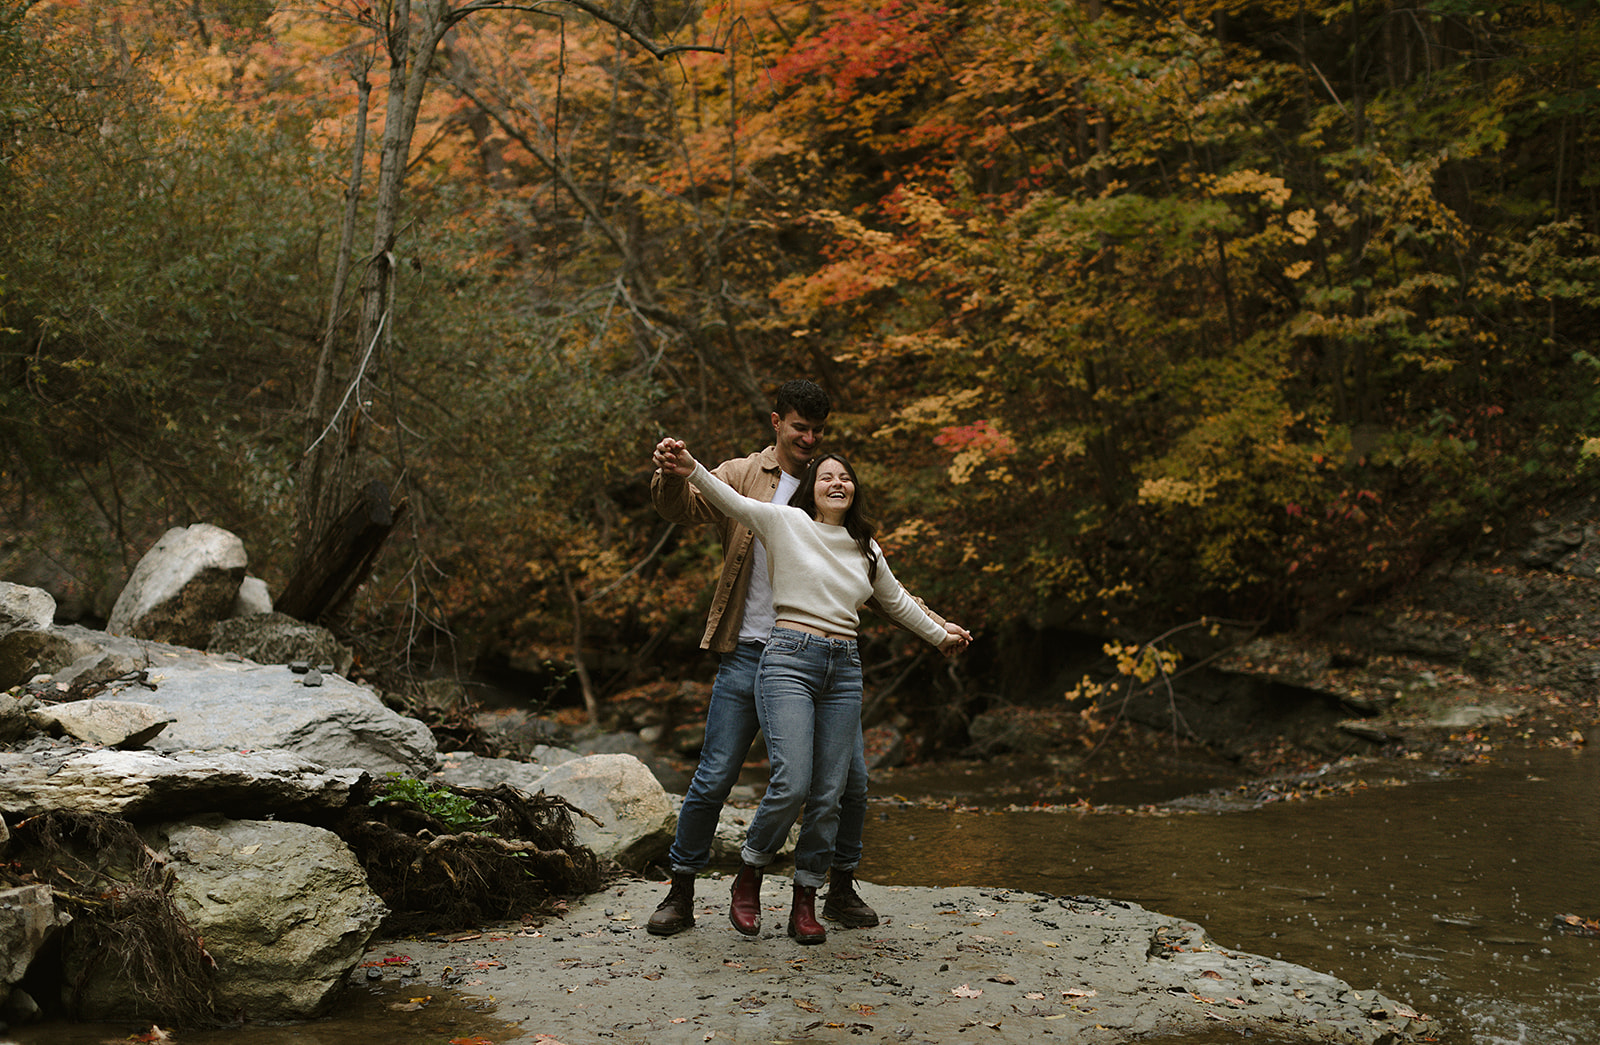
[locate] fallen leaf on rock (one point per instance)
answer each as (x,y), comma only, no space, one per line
(155,1034)
(806,1004)
(1003,978)
(1034,996)
(464,937)
(863,1008)
(473,983)
(680,1019)
(412,1005)
(1079,992)
(964,991)
(488,963)
(393,959)
(477,1040)
(1212,974)
(1401,1010)
(1049,943)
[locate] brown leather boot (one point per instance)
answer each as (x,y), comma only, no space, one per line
(844,905)
(676,912)
(745,909)
(803,924)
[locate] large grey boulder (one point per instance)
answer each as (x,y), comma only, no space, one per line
(23,607)
(636,828)
(135,784)
(277,638)
(637,816)
(284,909)
(186,582)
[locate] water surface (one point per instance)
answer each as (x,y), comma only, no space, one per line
(1439,893)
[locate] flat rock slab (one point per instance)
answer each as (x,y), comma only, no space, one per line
(223,704)
(943,965)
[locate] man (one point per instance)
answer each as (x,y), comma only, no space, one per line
(737,628)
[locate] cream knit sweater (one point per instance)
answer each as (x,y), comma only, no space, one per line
(819,576)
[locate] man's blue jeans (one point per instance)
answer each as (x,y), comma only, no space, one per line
(808,698)
(731,724)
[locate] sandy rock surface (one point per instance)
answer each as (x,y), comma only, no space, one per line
(944,965)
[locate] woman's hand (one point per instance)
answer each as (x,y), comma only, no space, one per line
(956,639)
(673,456)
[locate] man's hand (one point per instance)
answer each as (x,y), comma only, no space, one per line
(673,457)
(956,639)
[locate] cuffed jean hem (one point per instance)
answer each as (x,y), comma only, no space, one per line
(755,859)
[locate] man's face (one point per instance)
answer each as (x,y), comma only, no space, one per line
(798,439)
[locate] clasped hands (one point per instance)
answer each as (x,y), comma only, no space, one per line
(672,456)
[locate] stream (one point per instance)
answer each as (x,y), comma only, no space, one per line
(1438,890)
(1440,893)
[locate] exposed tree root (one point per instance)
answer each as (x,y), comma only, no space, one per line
(124,924)
(432,877)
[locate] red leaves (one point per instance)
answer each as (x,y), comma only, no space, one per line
(980,435)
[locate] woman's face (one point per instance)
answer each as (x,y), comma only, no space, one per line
(834,490)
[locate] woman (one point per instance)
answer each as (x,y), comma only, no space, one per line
(825,566)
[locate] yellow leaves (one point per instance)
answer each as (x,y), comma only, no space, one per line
(930,410)
(1298,269)
(1168,491)
(1304,224)
(1142,662)
(1272,189)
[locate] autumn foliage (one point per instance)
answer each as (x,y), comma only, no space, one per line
(1131,312)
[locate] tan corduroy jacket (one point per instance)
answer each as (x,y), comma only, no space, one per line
(678,501)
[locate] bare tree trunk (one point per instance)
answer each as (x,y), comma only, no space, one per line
(336,456)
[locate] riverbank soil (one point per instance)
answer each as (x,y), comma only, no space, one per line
(942,965)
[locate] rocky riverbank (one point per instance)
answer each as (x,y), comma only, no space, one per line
(1007,967)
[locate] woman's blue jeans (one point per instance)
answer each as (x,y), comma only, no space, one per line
(808,697)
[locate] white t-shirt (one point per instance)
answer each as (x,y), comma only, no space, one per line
(758,613)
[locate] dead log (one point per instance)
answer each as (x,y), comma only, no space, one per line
(342,558)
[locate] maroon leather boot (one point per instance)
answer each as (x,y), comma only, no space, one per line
(745,910)
(803,924)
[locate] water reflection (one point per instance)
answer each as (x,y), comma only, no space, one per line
(1440,894)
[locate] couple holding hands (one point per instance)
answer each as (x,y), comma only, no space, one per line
(799,562)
